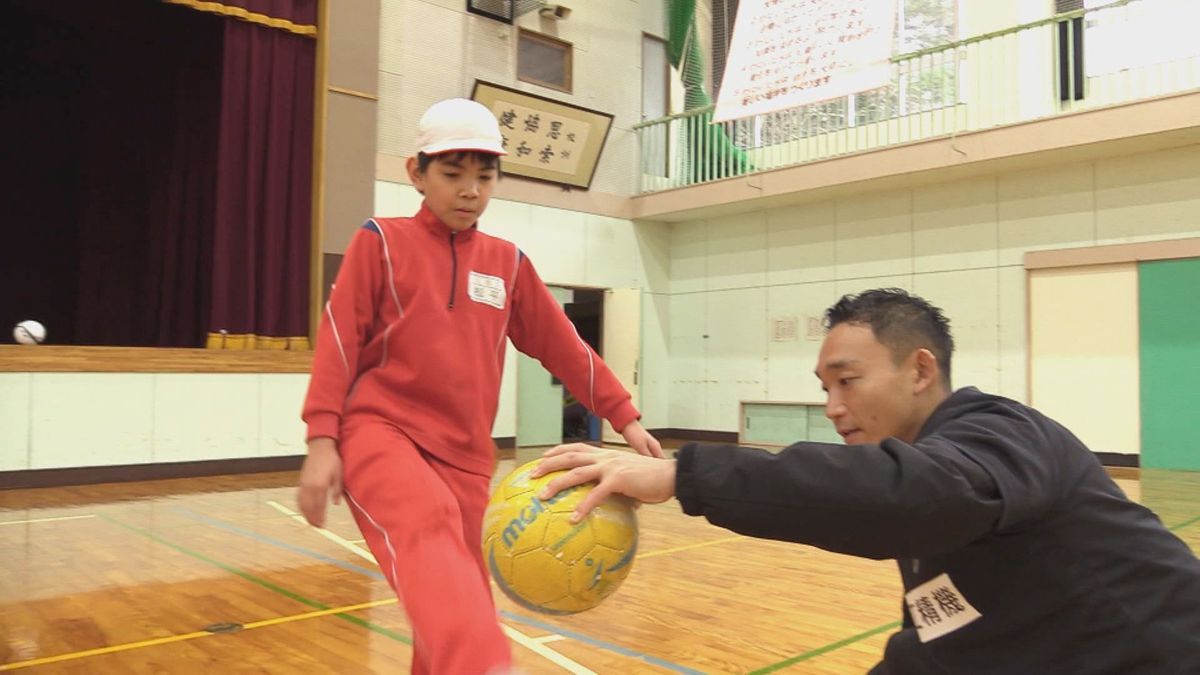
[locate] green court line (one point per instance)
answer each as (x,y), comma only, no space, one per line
(261,582)
(1184,524)
(826,649)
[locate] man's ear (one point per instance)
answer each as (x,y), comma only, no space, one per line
(928,373)
(414,174)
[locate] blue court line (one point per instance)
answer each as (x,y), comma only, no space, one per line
(220,524)
(623,651)
(608,646)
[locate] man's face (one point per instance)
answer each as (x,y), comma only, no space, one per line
(456,190)
(869,396)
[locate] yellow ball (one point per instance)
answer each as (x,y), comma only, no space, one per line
(545,563)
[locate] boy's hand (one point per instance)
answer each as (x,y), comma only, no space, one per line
(640,440)
(615,472)
(320,480)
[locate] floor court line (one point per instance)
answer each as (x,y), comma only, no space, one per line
(1180,526)
(537,646)
(331,536)
(261,582)
(516,636)
(46,520)
(562,633)
(188,636)
(556,633)
(825,649)
(601,644)
(714,542)
(229,527)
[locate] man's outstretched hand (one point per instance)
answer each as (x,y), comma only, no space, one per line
(646,479)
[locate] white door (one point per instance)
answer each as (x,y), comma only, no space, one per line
(622,343)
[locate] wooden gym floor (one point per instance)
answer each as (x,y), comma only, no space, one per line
(220,575)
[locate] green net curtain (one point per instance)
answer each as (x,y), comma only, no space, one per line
(710,153)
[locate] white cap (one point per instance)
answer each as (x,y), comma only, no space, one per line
(459,124)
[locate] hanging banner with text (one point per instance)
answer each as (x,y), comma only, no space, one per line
(788,53)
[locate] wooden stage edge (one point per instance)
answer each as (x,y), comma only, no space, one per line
(66,359)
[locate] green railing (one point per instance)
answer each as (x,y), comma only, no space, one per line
(1132,50)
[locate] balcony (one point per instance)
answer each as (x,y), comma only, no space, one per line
(1091,59)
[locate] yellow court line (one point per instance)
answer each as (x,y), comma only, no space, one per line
(689,547)
(190,636)
(46,520)
(520,638)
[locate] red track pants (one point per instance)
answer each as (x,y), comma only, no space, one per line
(422,518)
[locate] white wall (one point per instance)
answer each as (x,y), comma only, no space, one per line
(435,49)
(959,244)
(56,420)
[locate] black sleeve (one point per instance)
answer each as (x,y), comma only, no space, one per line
(891,500)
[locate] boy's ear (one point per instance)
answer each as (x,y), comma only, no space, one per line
(415,175)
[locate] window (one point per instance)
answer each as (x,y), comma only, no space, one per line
(500,10)
(544,60)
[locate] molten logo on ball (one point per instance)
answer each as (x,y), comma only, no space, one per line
(544,562)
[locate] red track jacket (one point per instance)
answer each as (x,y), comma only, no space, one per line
(414,330)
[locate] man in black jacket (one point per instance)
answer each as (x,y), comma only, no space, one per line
(1017,551)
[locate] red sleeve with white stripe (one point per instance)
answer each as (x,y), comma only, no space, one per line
(345,328)
(541,329)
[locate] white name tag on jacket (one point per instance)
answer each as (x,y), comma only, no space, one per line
(938,608)
(486,289)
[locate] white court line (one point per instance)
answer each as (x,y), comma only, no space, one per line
(532,644)
(536,646)
(46,520)
(553,637)
(344,543)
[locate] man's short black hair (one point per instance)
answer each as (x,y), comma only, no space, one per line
(901,322)
(486,159)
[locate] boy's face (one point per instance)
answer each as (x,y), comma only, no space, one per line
(456,188)
(869,397)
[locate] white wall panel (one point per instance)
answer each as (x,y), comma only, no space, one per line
(1045,208)
(874,235)
(954,226)
(92,419)
(801,244)
(15,420)
(205,416)
(280,400)
(736,358)
(969,299)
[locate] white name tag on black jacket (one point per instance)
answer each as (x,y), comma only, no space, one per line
(938,608)
(486,289)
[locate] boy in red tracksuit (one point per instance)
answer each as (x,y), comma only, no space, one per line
(405,383)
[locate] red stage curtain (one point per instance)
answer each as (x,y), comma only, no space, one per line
(263,219)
